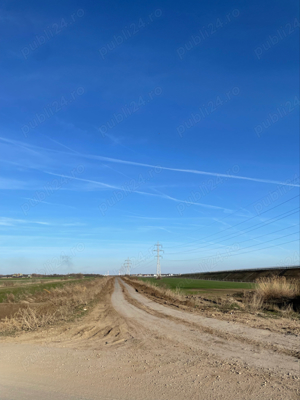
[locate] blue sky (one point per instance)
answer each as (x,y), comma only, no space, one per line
(128,123)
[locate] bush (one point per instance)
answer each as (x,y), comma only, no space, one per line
(277,287)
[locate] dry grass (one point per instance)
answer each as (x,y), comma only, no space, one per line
(254,302)
(54,305)
(161,291)
(272,291)
(277,288)
(7,284)
(10,298)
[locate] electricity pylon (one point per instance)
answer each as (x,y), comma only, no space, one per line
(158,250)
(127,266)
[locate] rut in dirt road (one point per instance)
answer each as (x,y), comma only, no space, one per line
(123,349)
(276,342)
(192,337)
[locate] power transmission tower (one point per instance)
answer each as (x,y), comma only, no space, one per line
(127,266)
(158,249)
(123,269)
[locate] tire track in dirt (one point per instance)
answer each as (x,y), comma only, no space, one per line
(197,340)
(156,358)
(101,326)
(223,334)
(282,326)
(285,344)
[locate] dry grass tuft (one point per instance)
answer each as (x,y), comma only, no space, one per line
(254,302)
(273,294)
(277,287)
(10,298)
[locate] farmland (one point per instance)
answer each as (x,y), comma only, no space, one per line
(188,285)
(247,275)
(71,339)
(23,287)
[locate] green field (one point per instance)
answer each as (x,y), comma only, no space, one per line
(188,285)
(22,280)
(19,291)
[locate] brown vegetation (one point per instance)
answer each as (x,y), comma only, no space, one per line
(10,297)
(8,283)
(277,288)
(275,294)
(51,306)
(161,291)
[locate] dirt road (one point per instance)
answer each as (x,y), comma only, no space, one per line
(129,347)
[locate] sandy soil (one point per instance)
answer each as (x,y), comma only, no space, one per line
(129,347)
(257,319)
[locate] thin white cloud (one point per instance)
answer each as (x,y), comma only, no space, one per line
(153,227)
(162,196)
(13,221)
(165,196)
(102,184)
(22,145)
(51,204)
(183,170)
(5,221)
(61,144)
(193,171)
(12,184)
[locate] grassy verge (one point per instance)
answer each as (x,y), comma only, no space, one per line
(159,291)
(18,293)
(52,305)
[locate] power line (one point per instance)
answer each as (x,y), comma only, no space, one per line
(251,251)
(267,241)
(269,247)
(247,240)
(248,219)
(147,263)
(281,216)
(263,224)
(254,227)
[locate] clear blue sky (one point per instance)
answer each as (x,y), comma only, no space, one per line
(125,123)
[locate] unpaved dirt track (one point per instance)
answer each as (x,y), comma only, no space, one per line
(137,349)
(286,344)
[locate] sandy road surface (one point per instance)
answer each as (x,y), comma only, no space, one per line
(128,347)
(233,332)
